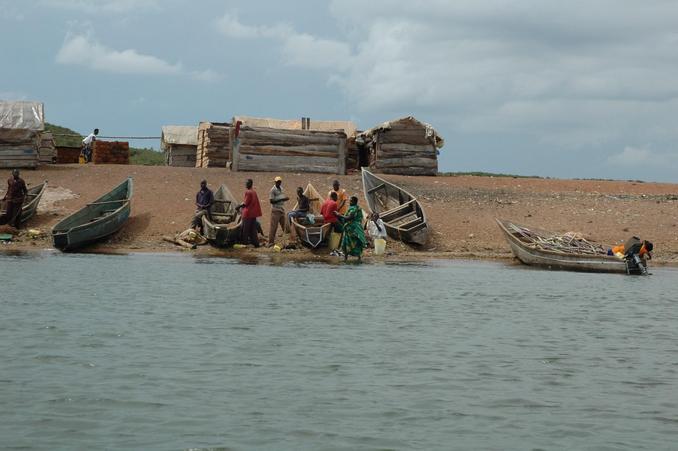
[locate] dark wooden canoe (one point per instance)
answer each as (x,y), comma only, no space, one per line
(225,226)
(31,202)
(401,212)
(96,220)
(531,247)
(316,233)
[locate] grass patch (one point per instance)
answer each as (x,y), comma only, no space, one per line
(71,141)
(487,174)
(146,157)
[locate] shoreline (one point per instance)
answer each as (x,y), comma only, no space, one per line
(461,210)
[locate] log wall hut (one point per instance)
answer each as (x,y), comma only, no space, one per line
(404,146)
(262,144)
(214,145)
(180,144)
(47,149)
(20,126)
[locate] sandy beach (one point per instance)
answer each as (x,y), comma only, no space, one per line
(461,209)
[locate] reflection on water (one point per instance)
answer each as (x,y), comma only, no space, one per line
(157,352)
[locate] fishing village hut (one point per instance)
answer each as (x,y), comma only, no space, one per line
(180,144)
(262,144)
(214,145)
(404,146)
(21,123)
(47,149)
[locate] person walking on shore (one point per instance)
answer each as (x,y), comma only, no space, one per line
(88,143)
(251,210)
(203,201)
(342,197)
(14,200)
(277,198)
(353,242)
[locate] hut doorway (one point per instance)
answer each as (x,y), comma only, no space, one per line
(363,156)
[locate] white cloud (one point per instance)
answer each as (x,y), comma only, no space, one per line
(635,157)
(84,50)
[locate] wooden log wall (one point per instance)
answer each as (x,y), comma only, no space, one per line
(270,149)
(110,152)
(67,154)
(182,155)
(21,154)
(404,149)
(46,151)
(214,145)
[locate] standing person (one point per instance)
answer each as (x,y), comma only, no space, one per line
(376,227)
(204,200)
(303,206)
(251,210)
(329,210)
(353,242)
(342,197)
(88,143)
(14,200)
(277,198)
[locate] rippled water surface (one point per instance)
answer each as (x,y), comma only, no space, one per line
(146,352)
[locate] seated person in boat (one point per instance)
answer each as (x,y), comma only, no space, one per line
(633,246)
(14,200)
(303,206)
(376,227)
(329,210)
(203,201)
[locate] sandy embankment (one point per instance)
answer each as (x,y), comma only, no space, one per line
(461,210)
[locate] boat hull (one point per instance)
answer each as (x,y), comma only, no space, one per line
(313,236)
(29,208)
(224,229)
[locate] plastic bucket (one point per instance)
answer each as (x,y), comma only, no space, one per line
(335,239)
(379,246)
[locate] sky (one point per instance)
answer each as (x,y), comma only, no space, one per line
(575,89)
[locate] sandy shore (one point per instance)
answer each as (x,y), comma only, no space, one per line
(461,209)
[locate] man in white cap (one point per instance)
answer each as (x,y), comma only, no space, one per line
(277,198)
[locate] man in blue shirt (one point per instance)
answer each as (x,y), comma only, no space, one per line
(203,201)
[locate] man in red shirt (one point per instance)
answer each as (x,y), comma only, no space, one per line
(251,210)
(329,211)
(14,200)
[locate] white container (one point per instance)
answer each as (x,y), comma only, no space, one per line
(379,246)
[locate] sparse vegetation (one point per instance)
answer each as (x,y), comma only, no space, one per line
(146,157)
(487,174)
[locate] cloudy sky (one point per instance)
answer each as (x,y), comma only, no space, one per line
(551,88)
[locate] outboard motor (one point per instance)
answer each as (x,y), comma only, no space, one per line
(634,264)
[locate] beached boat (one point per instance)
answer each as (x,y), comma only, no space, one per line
(401,212)
(31,202)
(316,233)
(568,251)
(223,229)
(96,220)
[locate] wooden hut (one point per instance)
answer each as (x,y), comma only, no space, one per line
(261,144)
(403,146)
(214,145)
(47,149)
(20,126)
(180,144)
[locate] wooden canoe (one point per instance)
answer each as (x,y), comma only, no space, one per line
(31,202)
(313,235)
(528,246)
(96,220)
(223,229)
(401,212)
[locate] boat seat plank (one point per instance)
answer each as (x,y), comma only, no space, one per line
(376,188)
(401,208)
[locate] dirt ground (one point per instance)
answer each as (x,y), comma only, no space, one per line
(461,209)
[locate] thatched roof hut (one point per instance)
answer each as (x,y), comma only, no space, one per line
(403,146)
(180,143)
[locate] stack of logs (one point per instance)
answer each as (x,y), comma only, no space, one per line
(214,146)
(46,151)
(20,154)
(272,149)
(110,152)
(67,154)
(405,146)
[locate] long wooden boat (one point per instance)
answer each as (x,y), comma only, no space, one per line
(223,229)
(315,234)
(96,220)
(30,204)
(545,249)
(401,212)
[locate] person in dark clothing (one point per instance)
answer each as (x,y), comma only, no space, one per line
(303,206)
(251,210)
(14,200)
(203,202)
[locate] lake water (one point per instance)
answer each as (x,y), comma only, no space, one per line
(160,352)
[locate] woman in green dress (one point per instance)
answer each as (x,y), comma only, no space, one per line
(353,240)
